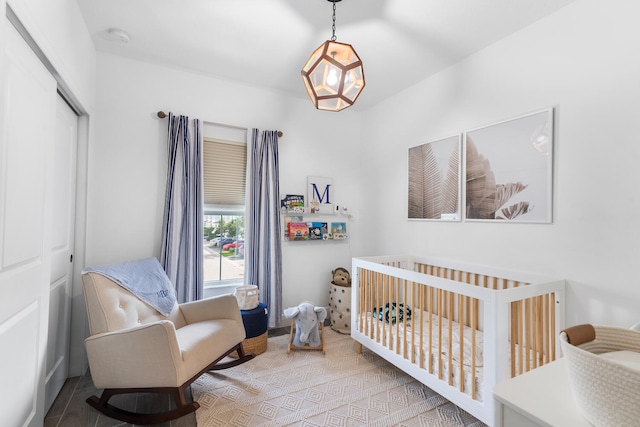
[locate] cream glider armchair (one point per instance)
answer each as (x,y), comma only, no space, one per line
(132,348)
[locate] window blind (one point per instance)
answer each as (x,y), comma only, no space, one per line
(224,172)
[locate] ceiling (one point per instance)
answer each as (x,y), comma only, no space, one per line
(266,42)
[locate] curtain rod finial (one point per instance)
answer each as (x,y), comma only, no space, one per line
(162,114)
(280,134)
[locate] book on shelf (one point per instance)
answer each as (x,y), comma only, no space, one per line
(298,231)
(288,220)
(315,231)
(339,230)
(292,203)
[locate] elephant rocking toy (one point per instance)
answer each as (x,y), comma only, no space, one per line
(307,321)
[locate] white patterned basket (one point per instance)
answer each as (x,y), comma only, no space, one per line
(340,308)
(606,392)
(247,297)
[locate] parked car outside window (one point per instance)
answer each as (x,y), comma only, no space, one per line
(224,241)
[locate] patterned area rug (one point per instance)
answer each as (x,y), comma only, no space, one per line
(307,388)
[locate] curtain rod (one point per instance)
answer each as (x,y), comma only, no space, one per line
(162,115)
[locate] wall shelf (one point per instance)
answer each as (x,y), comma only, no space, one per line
(298,227)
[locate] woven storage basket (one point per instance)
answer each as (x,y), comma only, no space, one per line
(605,392)
(256,345)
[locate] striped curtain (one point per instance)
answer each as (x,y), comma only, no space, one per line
(263,246)
(182,228)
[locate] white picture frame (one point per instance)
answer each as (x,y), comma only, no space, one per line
(434,190)
(509,170)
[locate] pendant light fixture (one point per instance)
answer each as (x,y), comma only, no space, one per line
(333,74)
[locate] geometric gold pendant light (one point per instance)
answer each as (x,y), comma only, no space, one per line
(333,74)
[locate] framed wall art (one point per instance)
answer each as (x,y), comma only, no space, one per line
(508,170)
(434,186)
(320,195)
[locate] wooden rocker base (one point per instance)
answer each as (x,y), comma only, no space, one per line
(182,406)
(292,346)
(111,411)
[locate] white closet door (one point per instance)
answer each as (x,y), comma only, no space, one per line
(26,148)
(62,234)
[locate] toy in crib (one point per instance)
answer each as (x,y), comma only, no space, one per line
(393,312)
(307,321)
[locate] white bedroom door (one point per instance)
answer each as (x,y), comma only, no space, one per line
(62,238)
(26,147)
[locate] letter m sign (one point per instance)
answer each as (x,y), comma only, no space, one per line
(319,195)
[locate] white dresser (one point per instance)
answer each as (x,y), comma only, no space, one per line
(541,397)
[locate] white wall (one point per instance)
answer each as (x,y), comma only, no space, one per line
(59,30)
(128,160)
(580,61)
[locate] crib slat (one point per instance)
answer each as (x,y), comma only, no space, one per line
(527,334)
(514,337)
(552,309)
(364,285)
(391,283)
(383,324)
(428,315)
(404,321)
(386,297)
(386,326)
(440,295)
(372,294)
(460,278)
(518,338)
(413,320)
(466,312)
(449,304)
(461,341)
(540,317)
(393,329)
(400,297)
(369,324)
(396,291)
(374,302)
(362,308)
(533,343)
(474,326)
(547,334)
(361,293)
(369,327)
(423,300)
(421,338)
(378,300)
(534,333)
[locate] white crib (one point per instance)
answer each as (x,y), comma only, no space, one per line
(469,327)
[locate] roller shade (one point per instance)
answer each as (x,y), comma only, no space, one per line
(224,172)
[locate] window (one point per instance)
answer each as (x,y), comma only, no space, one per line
(224,172)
